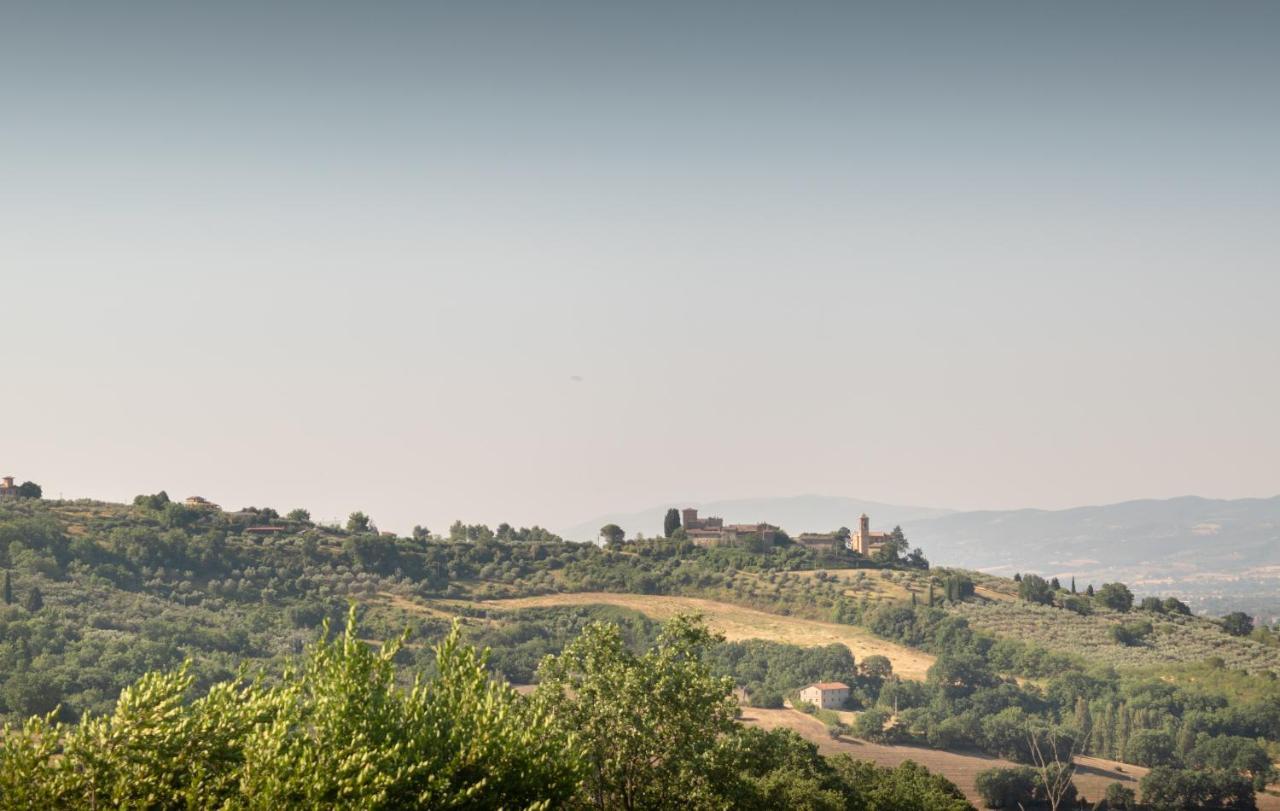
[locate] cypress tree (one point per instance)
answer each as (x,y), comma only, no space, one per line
(8,589)
(1073,584)
(1124,726)
(671,522)
(931,594)
(1102,732)
(1083,721)
(1186,740)
(35,600)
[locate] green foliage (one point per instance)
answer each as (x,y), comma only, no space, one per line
(612,534)
(30,490)
(1035,589)
(358,522)
(1169,789)
(870,723)
(670,522)
(156,501)
(647,725)
(1150,747)
(299,515)
(1131,633)
(335,732)
(1120,797)
(1237,623)
(768,669)
(1116,596)
(34,600)
(1007,787)
(958,587)
(905,787)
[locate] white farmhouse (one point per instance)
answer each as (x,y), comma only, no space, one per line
(826,695)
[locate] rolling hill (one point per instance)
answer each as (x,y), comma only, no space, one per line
(1219,555)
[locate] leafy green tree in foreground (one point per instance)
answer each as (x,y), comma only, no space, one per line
(335,732)
(358,522)
(30,490)
(657,731)
(612,534)
(649,724)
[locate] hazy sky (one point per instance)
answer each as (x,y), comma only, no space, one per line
(537,261)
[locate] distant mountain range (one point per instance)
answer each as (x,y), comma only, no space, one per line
(1218,553)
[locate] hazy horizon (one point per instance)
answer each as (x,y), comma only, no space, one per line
(495,262)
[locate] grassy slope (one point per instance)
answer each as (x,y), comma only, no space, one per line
(737,622)
(1177,639)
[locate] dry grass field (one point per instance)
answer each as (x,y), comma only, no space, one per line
(737,623)
(1093,775)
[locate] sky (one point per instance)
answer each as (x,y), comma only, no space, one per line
(533,262)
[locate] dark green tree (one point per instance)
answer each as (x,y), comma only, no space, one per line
(8,589)
(358,522)
(1237,623)
(671,522)
(29,490)
(1035,589)
(1116,596)
(612,534)
(1120,797)
(34,601)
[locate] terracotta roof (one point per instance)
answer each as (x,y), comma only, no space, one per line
(830,685)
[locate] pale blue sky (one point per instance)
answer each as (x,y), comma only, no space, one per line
(354,255)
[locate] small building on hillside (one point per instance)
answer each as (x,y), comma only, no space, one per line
(200,503)
(7,488)
(826,695)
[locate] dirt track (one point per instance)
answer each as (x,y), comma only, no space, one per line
(1093,775)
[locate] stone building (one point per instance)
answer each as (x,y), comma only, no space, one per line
(8,488)
(712,531)
(818,540)
(864,541)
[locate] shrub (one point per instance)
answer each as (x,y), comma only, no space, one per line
(1176,789)
(1131,633)
(1007,788)
(1120,797)
(1116,596)
(870,723)
(1035,589)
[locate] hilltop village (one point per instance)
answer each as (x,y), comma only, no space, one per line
(713,531)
